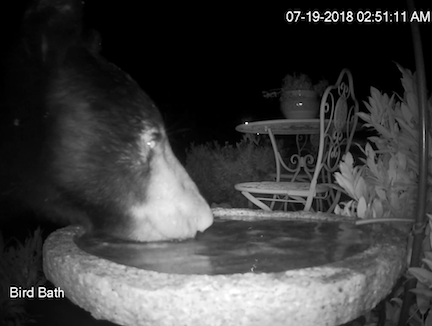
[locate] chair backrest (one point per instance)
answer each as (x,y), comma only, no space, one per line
(338,123)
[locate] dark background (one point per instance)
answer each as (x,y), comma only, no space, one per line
(206,65)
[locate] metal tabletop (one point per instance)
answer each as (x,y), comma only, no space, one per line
(282,127)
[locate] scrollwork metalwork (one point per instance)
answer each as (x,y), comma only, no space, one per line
(340,114)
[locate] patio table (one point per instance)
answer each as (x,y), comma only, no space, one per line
(281,127)
(306,131)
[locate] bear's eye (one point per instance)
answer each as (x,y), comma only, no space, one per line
(155,137)
(151,143)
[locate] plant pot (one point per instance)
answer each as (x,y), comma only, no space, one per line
(300,104)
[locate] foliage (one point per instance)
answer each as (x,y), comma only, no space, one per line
(380,188)
(216,169)
(420,310)
(387,182)
(297,82)
(302,82)
(20,265)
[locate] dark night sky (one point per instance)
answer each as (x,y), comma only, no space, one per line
(206,65)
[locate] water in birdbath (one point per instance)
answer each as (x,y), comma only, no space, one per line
(236,246)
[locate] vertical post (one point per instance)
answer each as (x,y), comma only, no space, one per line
(418,229)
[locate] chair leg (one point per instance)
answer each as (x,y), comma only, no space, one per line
(256,201)
(273,203)
(284,204)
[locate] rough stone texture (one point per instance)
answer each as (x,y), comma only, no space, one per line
(328,295)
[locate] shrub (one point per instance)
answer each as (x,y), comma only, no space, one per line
(386,185)
(20,265)
(216,169)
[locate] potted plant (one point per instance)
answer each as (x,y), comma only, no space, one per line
(299,97)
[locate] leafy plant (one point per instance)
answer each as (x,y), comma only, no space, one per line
(297,82)
(386,184)
(353,183)
(216,169)
(20,265)
(420,311)
(380,188)
(302,82)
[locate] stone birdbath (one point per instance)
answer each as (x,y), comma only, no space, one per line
(324,271)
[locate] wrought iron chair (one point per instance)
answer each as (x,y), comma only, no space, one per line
(338,122)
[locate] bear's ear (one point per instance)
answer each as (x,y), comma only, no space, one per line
(50,27)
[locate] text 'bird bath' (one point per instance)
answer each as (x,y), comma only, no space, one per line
(250,268)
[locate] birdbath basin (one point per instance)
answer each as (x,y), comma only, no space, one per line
(250,268)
